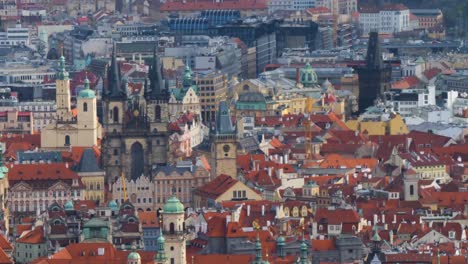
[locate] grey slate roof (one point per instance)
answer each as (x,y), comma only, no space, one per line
(169,169)
(223,122)
(52,156)
(88,162)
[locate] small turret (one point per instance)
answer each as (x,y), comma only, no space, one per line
(62,73)
(160,257)
(304,252)
(280,243)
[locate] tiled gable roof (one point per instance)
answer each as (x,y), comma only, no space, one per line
(43,171)
(218,186)
(4,244)
(337,216)
(4,259)
(35,236)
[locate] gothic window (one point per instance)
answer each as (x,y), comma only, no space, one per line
(171,228)
(411,189)
(67,140)
(137,158)
(115,114)
(85,107)
(157,113)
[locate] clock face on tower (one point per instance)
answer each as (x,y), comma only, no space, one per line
(226,148)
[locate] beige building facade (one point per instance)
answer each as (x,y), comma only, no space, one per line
(72,128)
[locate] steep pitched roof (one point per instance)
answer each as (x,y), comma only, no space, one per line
(43,171)
(217,187)
(148,219)
(4,244)
(88,162)
(94,253)
(35,236)
(4,259)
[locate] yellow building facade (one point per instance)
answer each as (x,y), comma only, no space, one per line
(72,130)
(394,126)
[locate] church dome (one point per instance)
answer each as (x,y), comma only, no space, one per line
(86,92)
(280,240)
(173,206)
(161,240)
(308,76)
(69,206)
(134,256)
(113,205)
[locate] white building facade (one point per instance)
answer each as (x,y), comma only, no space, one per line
(389,19)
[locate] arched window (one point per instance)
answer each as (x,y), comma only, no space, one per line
(157,113)
(411,189)
(67,140)
(98,186)
(115,115)
(171,228)
(85,107)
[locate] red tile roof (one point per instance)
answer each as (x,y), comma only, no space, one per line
(218,258)
(421,159)
(408,258)
(209,5)
(217,187)
(337,216)
(323,244)
(4,244)
(35,236)
(338,161)
(42,171)
(22,228)
(406,83)
(318,10)
(4,259)
(90,253)
(148,219)
(431,73)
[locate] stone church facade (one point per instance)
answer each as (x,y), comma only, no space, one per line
(136,135)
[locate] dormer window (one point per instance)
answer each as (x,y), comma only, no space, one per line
(451,234)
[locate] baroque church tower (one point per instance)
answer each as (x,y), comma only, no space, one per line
(69,129)
(224,144)
(173,229)
(136,138)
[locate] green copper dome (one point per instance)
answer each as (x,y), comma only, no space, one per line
(134,256)
(308,76)
(113,205)
(161,240)
(86,92)
(303,246)
(69,206)
(281,241)
(173,206)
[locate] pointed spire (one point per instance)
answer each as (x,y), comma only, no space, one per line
(114,85)
(187,81)
(304,251)
(376,240)
(62,73)
(86,82)
(258,250)
(158,91)
(160,257)
(223,120)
